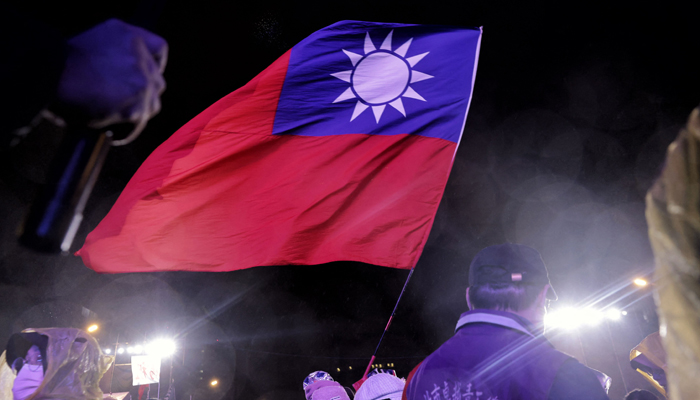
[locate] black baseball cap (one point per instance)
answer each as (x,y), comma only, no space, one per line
(508,263)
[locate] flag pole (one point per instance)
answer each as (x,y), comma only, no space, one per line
(357,384)
(114,364)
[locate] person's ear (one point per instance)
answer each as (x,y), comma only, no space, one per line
(469,303)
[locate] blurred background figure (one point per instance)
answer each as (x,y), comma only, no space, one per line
(320,385)
(29,375)
(109,74)
(640,394)
(649,359)
(381,384)
(113,74)
(97,89)
(59,363)
(673,212)
(25,354)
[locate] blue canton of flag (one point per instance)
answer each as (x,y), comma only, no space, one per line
(380,79)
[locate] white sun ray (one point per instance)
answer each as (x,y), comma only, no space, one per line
(411,94)
(359,108)
(378,111)
(354,57)
(343,75)
(347,94)
(414,60)
(417,76)
(404,48)
(398,104)
(386,44)
(369,46)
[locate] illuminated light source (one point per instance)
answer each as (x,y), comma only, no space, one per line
(121,350)
(349,367)
(572,318)
(161,347)
(640,282)
(93,328)
(338,369)
(624,313)
(108,351)
(138,349)
(129,349)
(613,314)
(214,382)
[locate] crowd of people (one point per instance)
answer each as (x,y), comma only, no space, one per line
(499,351)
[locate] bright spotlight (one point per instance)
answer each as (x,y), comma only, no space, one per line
(161,347)
(93,328)
(214,382)
(565,318)
(591,317)
(108,351)
(613,314)
(572,318)
(640,282)
(121,350)
(129,349)
(138,349)
(624,313)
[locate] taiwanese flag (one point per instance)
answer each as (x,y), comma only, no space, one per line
(339,150)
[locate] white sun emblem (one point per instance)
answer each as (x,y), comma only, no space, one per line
(381,77)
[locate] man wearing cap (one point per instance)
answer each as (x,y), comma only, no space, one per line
(498,351)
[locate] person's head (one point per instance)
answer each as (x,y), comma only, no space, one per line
(640,394)
(319,385)
(33,356)
(510,277)
(381,386)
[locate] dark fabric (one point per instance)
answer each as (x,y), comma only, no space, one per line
(33,56)
(491,361)
(574,381)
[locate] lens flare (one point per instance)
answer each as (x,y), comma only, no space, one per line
(569,318)
(161,347)
(640,282)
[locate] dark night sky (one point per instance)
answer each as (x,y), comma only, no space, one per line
(573,107)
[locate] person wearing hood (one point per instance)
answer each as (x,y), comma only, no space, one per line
(320,385)
(381,386)
(60,363)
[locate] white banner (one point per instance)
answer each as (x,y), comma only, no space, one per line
(145,369)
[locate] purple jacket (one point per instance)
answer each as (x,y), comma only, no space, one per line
(494,355)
